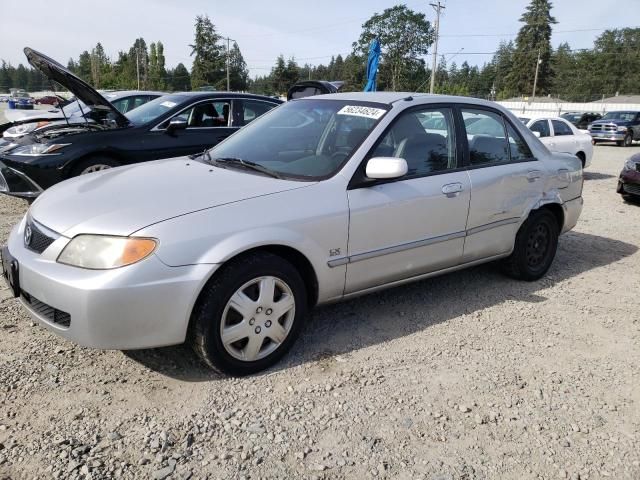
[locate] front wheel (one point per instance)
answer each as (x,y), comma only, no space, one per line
(94,164)
(249,315)
(628,140)
(535,247)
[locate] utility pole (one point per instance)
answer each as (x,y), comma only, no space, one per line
(437,7)
(535,79)
(229,40)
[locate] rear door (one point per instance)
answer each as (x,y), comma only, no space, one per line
(506,180)
(564,138)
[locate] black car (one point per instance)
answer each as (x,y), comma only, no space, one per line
(581,120)
(308,88)
(169,126)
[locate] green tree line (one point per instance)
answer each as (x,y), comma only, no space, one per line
(610,67)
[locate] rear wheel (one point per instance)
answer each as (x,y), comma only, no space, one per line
(249,315)
(94,164)
(628,140)
(582,158)
(535,247)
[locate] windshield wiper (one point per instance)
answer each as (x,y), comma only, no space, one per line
(238,162)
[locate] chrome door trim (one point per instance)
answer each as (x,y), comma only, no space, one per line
(489,226)
(357,257)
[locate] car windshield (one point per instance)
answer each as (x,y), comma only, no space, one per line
(625,116)
(307,139)
(153,109)
(572,117)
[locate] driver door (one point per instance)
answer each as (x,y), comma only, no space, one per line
(415,224)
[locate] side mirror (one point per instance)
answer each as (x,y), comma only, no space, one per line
(537,134)
(386,167)
(176,124)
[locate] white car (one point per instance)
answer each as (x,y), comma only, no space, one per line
(560,136)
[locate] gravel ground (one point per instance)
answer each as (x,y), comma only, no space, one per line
(466,376)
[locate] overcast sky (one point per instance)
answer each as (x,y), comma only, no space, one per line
(309,31)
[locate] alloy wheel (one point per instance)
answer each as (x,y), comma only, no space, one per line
(95,168)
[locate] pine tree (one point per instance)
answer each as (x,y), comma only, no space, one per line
(238,73)
(533,38)
(209,62)
(279,76)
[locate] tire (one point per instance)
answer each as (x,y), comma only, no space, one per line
(530,259)
(628,140)
(94,164)
(250,347)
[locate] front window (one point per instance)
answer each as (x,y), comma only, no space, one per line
(154,109)
(624,116)
(307,139)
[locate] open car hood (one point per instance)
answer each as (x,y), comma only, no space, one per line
(81,89)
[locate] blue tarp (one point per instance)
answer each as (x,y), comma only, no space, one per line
(372,65)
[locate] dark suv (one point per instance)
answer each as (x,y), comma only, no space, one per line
(621,127)
(581,120)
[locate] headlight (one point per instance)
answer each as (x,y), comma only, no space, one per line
(630,164)
(20,130)
(622,129)
(102,252)
(37,149)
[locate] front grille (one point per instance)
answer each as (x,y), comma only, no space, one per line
(604,128)
(38,241)
(47,311)
(632,188)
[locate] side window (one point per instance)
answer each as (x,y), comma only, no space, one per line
(519,151)
(137,101)
(122,105)
(486,137)
(205,115)
(425,152)
(542,127)
(245,111)
(561,128)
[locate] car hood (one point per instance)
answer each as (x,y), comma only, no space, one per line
(81,89)
(31,115)
(123,200)
(611,121)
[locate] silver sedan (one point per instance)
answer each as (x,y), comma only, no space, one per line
(320,200)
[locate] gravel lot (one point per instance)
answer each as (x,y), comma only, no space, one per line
(466,376)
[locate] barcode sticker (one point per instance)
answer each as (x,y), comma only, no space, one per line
(359,111)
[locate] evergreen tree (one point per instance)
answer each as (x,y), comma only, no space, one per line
(533,38)
(209,62)
(84,66)
(238,73)
(180,78)
(279,77)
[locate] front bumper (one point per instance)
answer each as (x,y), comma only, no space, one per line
(144,305)
(16,183)
(607,136)
(629,183)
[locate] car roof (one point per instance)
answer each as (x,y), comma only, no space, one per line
(220,94)
(128,93)
(389,98)
(547,117)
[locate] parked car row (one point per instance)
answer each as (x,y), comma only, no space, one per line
(94,133)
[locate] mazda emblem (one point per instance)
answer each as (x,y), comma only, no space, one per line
(27,235)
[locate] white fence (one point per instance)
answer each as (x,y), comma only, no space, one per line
(525,109)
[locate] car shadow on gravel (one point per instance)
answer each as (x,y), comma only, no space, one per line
(596,176)
(337,330)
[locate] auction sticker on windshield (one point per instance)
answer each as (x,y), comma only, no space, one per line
(168,104)
(359,111)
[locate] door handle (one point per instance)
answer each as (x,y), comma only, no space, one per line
(452,189)
(533,175)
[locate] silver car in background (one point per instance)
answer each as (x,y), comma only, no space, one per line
(320,200)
